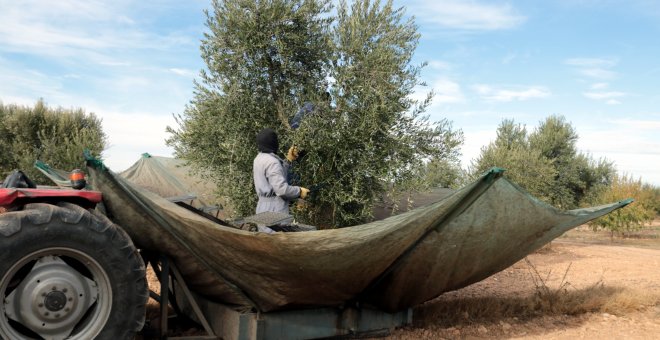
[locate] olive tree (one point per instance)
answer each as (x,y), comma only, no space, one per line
(577,176)
(265,59)
(260,57)
(55,136)
(524,165)
(635,215)
(546,162)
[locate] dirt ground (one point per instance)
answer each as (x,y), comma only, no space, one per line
(626,271)
(611,285)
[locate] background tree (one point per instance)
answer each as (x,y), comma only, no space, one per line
(546,162)
(260,57)
(635,215)
(5,147)
(524,165)
(576,174)
(655,194)
(444,173)
(55,136)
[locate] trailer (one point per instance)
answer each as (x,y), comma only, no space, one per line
(72,262)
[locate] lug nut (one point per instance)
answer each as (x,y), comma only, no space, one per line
(64,290)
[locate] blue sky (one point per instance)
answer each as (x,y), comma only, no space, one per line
(596,62)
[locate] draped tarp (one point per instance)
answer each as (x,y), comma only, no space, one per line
(59,177)
(171,177)
(393,264)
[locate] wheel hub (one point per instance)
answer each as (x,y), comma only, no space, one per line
(55,301)
(52,298)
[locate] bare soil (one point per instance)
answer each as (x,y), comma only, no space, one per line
(613,284)
(584,285)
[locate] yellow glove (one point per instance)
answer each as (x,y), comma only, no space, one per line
(303,192)
(292,155)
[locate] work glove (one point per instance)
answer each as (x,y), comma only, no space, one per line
(292,155)
(303,192)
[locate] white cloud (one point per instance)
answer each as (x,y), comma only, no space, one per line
(36,28)
(89,31)
(510,93)
(518,57)
(599,86)
(131,134)
(638,124)
(17,100)
(509,58)
(474,141)
(467,14)
(26,85)
(114,63)
(183,72)
(439,65)
(447,91)
(609,97)
(630,143)
(592,62)
(598,73)
(596,68)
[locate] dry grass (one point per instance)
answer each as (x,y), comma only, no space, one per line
(153,306)
(544,300)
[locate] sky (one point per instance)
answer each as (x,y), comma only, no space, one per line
(133,64)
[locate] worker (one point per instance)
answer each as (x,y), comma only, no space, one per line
(270,175)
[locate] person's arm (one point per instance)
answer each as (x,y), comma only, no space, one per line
(277,179)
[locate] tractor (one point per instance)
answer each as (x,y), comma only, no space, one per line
(66,271)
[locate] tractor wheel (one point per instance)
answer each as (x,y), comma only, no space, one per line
(68,273)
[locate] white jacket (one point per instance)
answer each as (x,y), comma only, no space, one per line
(274,192)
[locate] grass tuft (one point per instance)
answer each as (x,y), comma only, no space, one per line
(544,300)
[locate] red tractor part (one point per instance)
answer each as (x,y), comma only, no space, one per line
(15,197)
(66,271)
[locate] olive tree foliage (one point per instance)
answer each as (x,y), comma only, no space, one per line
(444,173)
(260,57)
(635,215)
(578,177)
(370,138)
(546,162)
(5,147)
(57,137)
(655,196)
(524,165)
(376,138)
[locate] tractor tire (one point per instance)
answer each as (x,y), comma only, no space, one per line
(68,273)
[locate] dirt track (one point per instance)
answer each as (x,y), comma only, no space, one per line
(628,270)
